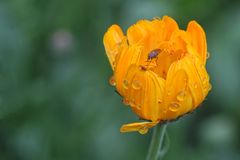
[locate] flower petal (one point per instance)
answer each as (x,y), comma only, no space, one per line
(112,40)
(202,74)
(170,25)
(127,57)
(180,39)
(144,92)
(153,105)
(198,78)
(196,87)
(177,98)
(141,127)
(198,39)
(139,32)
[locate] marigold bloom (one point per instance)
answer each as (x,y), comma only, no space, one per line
(158,69)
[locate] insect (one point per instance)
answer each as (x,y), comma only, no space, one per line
(153,54)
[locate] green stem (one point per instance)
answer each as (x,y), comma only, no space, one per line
(156,142)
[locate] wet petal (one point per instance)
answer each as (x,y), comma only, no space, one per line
(112,40)
(134,93)
(145,92)
(198,39)
(141,127)
(153,100)
(198,79)
(177,98)
(195,85)
(127,57)
(202,74)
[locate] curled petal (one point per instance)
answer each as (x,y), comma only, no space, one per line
(127,57)
(144,92)
(196,73)
(112,40)
(202,74)
(170,25)
(139,32)
(177,98)
(198,80)
(154,97)
(198,39)
(134,88)
(180,39)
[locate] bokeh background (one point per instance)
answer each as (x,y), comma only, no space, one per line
(55,100)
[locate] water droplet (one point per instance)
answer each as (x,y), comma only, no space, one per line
(164,110)
(210,87)
(132,103)
(204,80)
(181,95)
(195,85)
(112,81)
(160,101)
(125,101)
(174,106)
(143,130)
(125,84)
(113,63)
(136,84)
(208,55)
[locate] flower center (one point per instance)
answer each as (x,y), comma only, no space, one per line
(160,59)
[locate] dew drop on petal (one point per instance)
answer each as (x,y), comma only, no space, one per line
(112,81)
(210,87)
(118,44)
(174,106)
(208,55)
(132,103)
(204,80)
(113,63)
(206,88)
(125,101)
(136,84)
(181,95)
(139,106)
(168,93)
(160,101)
(164,110)
(125,84)
(195,85)
(143,130)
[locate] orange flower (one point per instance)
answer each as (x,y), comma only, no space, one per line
(158,69)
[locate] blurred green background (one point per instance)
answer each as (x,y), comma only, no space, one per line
(55,100)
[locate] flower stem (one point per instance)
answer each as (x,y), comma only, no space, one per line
(157,142)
